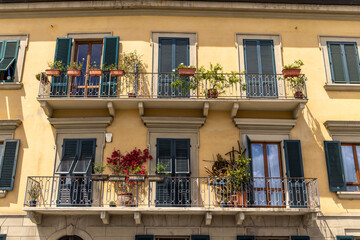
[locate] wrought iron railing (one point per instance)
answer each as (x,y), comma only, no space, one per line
(164,191)
(160,85)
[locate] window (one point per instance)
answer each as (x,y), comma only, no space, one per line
(8,161)
(344,62)
(8,56)
(351,162)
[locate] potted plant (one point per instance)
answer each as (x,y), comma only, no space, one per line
(183,82)
(186,71)
(112,204)
(298,85)
(42,77)
(74,69)
(292,70)
(115,70)
(159,173)
(34,193)
(98,175)
(55,68)
(95,70)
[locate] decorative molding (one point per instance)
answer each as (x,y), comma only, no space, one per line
(85,35)
(11,86)
(342,87)
(263,126)
(9,125)
(174,122)
(348,195)
(3,193)
(344,128)
(81,122)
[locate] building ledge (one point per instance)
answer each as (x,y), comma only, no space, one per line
(348,195)
(11,86)
(342,87)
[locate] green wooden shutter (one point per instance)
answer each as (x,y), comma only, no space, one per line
(335,166)
(336,63)
(344,238)
(86,156)
(164,156)
(63,54)
(200,237)
(251,56)
(300,238)
(69,156)
(8,164)
(144,237)
(9,55)
(111,56)
(352,60)
(2,43)
(182,156)
(2,236)
(245,238)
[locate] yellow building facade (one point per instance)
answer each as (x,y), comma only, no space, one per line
(306,189)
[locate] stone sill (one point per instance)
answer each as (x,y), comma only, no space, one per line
(342,87)
(348,195)
(11,86)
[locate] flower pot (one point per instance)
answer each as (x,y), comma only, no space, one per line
(33,203)
(223,204)
(73,72)
(132,95)
(124,198)
(96,72)
(52,72)
(99,177)
(299,95)
(112,205)
(137,178)
(294,72)
(239,199)
(117,72)
(117,178)
(156,178)
(212,93)
(186,72)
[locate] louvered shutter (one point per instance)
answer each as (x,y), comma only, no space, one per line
(69,156)
(251,182)
(251,56)
(144,237)
(2,236)
(268,77)
(295,173)
(86,156)
(336,63)
(245,238)
(352,60)
(335,166)
(164,156)
(8,162)
(1,49)
(344,238)
(200,237)
(166,66)
(300,238)
(63,54)
(111,56)
(9,55)
(182,156)
(181,50)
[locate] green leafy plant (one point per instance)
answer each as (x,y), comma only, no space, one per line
(112,203)
(160,168)
(238,172)
(42,77)
(75,66)
(34,192)
(99,168)
(111,67)
(59,65)
(296,64)
(181,65)
(94,65)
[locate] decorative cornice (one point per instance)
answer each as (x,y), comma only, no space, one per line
(174,122)
(279,126)
(9,124)
(81,122)
(343,127)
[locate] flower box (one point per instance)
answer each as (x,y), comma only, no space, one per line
(186,72)
(96,72)
(117,72)
(117,178)
(156,178)
(99,177)
(52,72)
(74,72)
(137,178)
(292,72)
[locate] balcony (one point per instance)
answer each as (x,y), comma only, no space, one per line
(256,92)
(167,195)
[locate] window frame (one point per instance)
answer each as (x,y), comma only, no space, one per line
(356,161)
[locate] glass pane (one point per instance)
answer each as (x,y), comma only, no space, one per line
(276,198)
(260,198)
(349,163)
(258,165)
(81,56)
(273,165)
(96,52)
(65,165)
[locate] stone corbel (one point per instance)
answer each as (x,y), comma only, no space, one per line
(239,218)
(105,217)
(141,109)
(111,108)
(34,217)
(308,219)
(206,109)
(208,218)
(48,110)
(234,110)
(137,218)
(298,110)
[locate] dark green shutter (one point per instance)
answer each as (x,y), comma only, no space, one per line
(300,238)
(8,164)
(2,236)
(335,166)
(352,60)
(111,56)
(336,63)
(69,156)
(344,238)
(164,156)
(251,183)
(144,237)
(182,156)
(294,164)
(200,237)
(267,57)
(10,55)
(1,49)
(63,54)
(251,56)
(245,238)
(86,155)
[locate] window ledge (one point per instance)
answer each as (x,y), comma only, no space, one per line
(3,193)
(348,195)
(11,86)
(342,87)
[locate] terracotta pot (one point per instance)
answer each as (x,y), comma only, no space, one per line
(186,72)
(299,95)
(96,72)
(124,198)
(52,72)
(117,72)
(132,95)
(212,93)
(294,72)
(239,199)
(73,72)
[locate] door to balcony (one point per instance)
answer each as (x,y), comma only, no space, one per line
(89,53)
(172,52)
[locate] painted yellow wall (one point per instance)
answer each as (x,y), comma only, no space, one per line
(216,43)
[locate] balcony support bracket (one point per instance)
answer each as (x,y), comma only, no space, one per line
(141,108)
(48,110)
(208,218)
(105,217)
(298,110)
(111,108)
(234,110)
(309,219)
(206,109)
(34,217)
(239,218)
(137,218)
